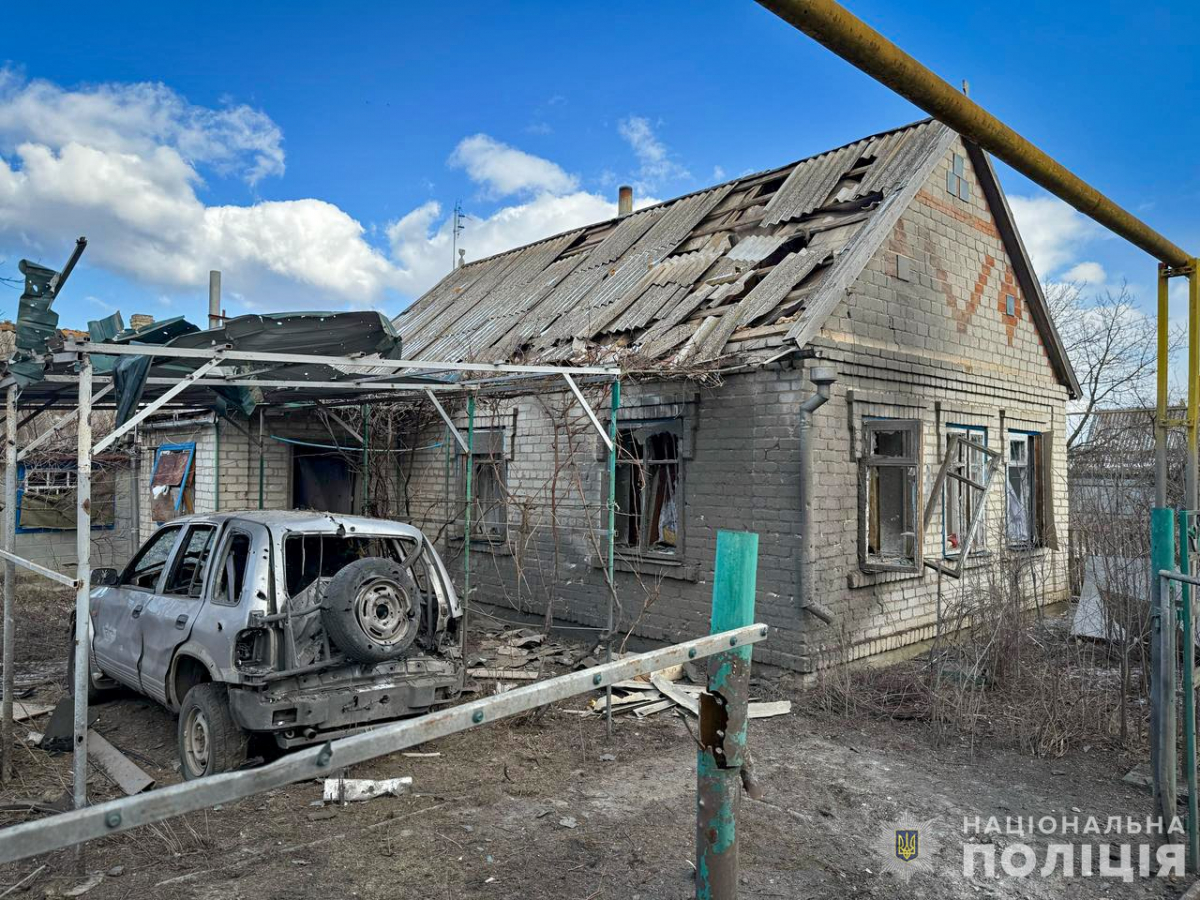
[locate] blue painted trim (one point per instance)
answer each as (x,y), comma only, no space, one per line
(190,447)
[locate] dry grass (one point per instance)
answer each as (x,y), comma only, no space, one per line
(1064,694)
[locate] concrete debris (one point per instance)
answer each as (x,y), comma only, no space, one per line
(568,822)
(352,790)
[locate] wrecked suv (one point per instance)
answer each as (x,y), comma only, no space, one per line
(298,625)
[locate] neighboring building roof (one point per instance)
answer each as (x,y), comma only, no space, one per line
(1116,436)
(743,271)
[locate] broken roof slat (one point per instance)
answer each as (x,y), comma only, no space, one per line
(809,184)
(648,276)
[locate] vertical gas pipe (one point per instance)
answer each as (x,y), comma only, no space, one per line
(724,719)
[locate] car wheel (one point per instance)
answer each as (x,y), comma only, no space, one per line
(372,610)
(210,741)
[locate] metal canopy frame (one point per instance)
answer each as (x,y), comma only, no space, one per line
(378,376)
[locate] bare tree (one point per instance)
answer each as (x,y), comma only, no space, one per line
(1112,345)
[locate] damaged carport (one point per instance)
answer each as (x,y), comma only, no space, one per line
(256,362)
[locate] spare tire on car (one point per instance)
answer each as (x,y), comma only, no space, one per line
(372,610)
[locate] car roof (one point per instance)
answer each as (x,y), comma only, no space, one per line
(306,520)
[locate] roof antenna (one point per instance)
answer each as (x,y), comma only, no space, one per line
(460,217)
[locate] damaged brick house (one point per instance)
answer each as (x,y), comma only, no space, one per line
(886,275)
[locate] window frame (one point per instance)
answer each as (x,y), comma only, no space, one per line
(186,485)
(494,460)
(979,545)
(177,560)
(71,468)
(231,534)
(626,429)
(123,582)
(869,461)
(1033,442)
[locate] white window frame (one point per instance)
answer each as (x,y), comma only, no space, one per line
(871,466)
(972,464)
(1031,441)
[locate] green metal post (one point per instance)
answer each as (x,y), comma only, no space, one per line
(612,542)
(466,597)
(366,459)
(1162,685)
(1189,690)
(724,720)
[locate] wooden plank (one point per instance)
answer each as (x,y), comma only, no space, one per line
(672,692)
(23,711)
(116,765)
(651,708)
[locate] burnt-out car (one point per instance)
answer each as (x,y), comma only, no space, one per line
(301,625)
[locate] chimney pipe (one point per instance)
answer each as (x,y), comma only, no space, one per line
(624,200)
(214,299)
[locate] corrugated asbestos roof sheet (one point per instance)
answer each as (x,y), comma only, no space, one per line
(723,272)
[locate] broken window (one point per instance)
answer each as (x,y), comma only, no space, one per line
(308,557)
(963,481)
(960,496)
(47,494)
(489,486)
(233,569)
(1029,503)
(956,179)
(172,481)
(147,567)
(890,484)
(187,576)
(647,487)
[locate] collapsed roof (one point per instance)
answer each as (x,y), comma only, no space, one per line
(737,269)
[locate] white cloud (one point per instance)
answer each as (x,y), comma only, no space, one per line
(1091,273)
(422,243)
(137,119)
(126,165)
(503,170)
(1055,234)
(656,164)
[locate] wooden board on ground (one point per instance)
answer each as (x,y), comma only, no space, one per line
(23,710)
(116,765)
(672,691)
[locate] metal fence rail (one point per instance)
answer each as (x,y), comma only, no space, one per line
(78,826)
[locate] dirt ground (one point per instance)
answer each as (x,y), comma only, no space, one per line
(546,806)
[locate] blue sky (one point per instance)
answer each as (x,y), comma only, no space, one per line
(314,154)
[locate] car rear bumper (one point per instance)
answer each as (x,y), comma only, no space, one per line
(309,709)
